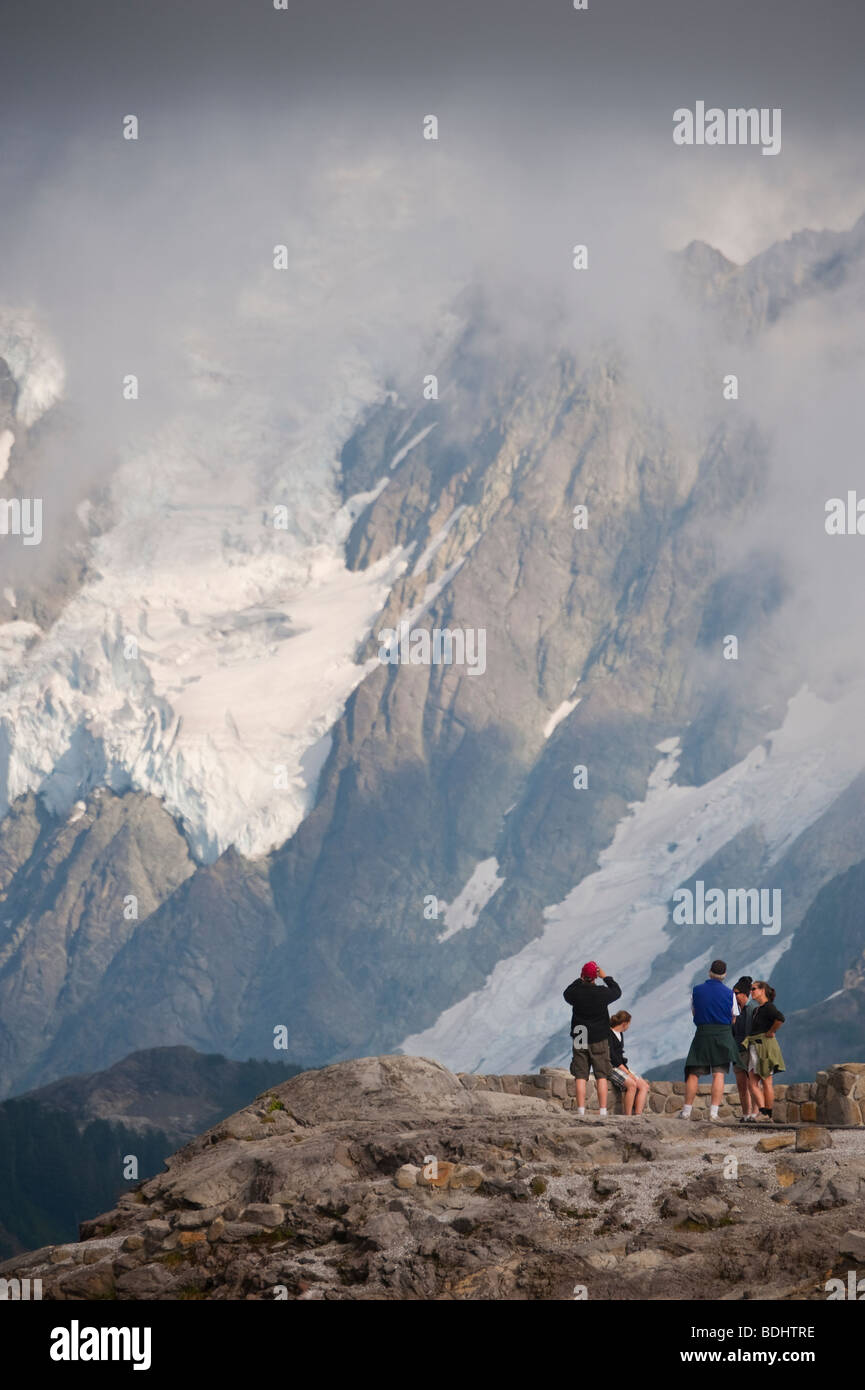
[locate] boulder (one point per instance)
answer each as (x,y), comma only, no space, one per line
(439,1174)
(385,1230)
(147,1282)
(841,1110)
(407,1175)
(268,1214)
(812,1137)
(852,1243)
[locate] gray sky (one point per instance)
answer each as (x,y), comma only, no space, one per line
(260,126)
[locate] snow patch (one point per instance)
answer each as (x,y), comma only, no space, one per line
(565,708)
(467,907)
(34,362)
(407,448)
(435,543)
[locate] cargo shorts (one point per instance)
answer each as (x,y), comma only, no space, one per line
(596,1056)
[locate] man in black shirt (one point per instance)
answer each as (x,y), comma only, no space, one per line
(590,1028)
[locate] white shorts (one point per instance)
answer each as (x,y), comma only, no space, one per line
(753,1064)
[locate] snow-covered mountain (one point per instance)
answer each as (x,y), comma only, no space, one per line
(389,855)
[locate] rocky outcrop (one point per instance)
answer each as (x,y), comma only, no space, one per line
(393,1178)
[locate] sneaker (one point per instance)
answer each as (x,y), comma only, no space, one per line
(715,1120)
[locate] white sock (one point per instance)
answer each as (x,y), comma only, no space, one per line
(581,1110)
(603,1110)
(686,1110)
(713,1110)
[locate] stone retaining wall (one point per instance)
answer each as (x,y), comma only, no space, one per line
(836,1097)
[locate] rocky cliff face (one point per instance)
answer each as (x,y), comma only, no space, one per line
(392,1178)
(449,877)
(75,892)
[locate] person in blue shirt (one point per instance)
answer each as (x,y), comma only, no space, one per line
(713,1048)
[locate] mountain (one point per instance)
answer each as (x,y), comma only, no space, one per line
(65,1149)
(379,856)
(391,1178)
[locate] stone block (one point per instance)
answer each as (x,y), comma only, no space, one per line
(793,1113)
(808,1111)
(779,1112)
(264,1214)
(841,1081)
(406,1176)
(770,1142)
(812,1137)
(678,1088)
(798,1091)
(842,1110)
(662,1088)
(673,1105)
(657,1103)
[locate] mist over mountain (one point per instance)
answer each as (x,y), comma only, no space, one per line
(447,874)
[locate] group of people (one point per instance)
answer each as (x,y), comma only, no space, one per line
(733,1027)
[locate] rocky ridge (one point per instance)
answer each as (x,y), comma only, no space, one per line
(393,1178)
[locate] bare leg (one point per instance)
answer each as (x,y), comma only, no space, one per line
(768,1092)
(744,1092)
(691,1084)
(642,1093)
(717,1095)
(581,1094)
(628,1097)
(602,1092)
(756,1090)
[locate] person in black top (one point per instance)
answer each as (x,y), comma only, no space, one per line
(634,1088)
(590,1027)
(741,1028)
(763,1052)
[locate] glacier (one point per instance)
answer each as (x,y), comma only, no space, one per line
(618,914)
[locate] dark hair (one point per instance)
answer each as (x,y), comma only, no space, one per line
(718,967)
(621,1017)
(743,985)
(764,985)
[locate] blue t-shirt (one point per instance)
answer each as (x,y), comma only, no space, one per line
(713,1002)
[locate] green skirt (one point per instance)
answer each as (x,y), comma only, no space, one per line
(769,1056)
(713,1046)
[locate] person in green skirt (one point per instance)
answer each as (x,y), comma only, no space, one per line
(761,1052)
(713,1048)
